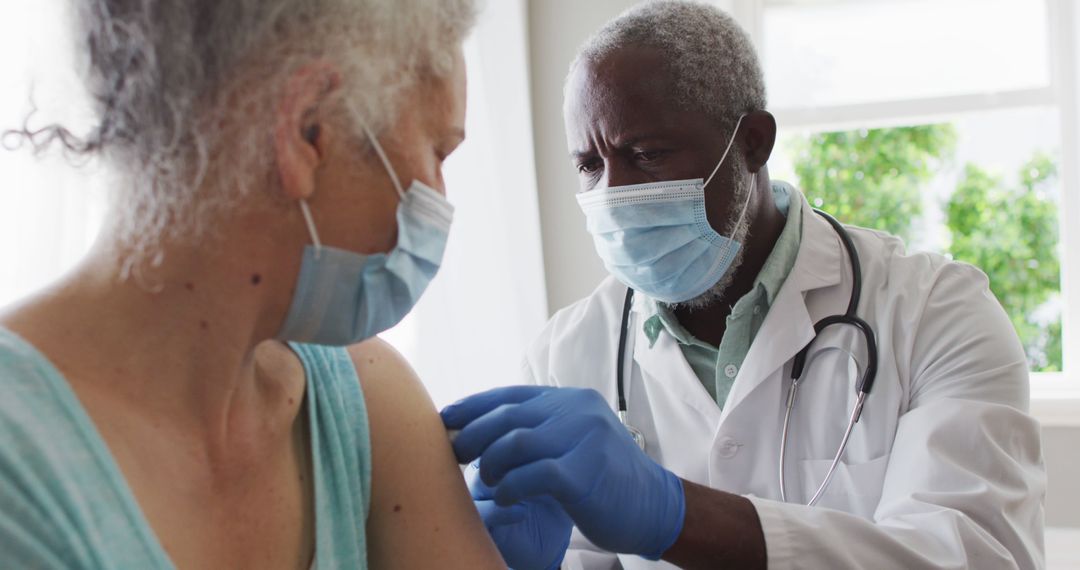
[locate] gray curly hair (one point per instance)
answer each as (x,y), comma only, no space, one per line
(164,74)
(711,59)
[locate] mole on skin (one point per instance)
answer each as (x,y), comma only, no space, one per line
(256,279)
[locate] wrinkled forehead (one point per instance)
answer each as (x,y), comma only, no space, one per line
(619,82)
(629,89)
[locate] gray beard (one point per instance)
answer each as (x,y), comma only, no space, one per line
(736,231)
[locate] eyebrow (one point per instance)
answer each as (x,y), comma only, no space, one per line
(629,142)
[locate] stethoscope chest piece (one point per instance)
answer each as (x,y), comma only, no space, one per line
(639,438)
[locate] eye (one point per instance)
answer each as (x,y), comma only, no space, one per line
(589,166)
(442,153)
(647,155)
(446,147)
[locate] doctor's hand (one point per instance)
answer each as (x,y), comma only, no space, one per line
(531,535)
(567,444)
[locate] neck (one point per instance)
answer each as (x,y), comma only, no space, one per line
(175,342)
(767,223)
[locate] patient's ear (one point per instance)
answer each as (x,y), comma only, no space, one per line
(298,132)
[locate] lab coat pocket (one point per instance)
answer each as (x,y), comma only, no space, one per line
(854,488)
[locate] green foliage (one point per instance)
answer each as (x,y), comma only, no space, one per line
(1012,234)
(873,178)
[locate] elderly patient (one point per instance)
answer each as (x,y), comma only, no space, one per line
(182,398)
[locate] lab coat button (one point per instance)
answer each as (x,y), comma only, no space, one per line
(727,448)
(731,371)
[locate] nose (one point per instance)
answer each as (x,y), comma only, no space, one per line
(616,173)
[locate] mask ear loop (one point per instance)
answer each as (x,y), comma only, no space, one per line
(735,230)
(753,175)
(742,215)
(386,161)
(746,204)
(730,144)
(304,209)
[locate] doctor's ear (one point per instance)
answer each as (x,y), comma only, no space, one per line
(758,137)
(297,132)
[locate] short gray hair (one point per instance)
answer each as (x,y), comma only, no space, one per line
(164,73)
(711,59)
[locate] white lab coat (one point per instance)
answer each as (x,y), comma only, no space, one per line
(945,468)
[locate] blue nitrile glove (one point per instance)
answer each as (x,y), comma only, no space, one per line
(531,535)
(566,443)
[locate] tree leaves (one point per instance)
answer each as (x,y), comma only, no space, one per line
(875,178)
(1012,234)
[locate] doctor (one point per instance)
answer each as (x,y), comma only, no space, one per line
(729,273)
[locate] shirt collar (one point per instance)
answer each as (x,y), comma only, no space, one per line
(660,317)
(782,258)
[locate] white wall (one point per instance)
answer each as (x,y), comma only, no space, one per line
(556,29)
(1061,447)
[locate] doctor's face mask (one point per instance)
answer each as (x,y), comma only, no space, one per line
(344,297)
(656,239)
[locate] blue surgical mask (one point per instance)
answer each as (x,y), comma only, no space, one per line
(655,238)
(344,297)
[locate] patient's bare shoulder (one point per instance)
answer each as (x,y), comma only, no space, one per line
(421,513)
(389,380)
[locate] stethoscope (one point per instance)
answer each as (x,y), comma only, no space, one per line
(862,388)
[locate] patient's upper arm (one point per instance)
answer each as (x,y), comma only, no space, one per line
(421,513)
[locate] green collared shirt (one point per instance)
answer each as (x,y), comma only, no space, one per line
(717,367)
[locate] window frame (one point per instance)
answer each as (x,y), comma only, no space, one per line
(1055,396)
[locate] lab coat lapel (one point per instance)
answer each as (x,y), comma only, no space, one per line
(789,326)
(664,363)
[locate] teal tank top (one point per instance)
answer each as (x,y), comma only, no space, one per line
(64,503)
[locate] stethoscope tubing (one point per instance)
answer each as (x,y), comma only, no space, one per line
(862,388)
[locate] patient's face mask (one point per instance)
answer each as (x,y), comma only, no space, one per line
(656,239)
(344,297)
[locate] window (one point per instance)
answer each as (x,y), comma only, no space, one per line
(829,53)
(958,132)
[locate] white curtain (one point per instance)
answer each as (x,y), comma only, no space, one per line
(472,326)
